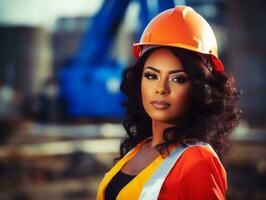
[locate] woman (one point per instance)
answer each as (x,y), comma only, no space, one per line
(181,108)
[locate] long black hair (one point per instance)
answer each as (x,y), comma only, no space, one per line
(212,115)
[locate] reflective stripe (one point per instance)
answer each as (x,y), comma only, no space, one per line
(152,188)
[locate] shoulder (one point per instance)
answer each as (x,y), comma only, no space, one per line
(201,163)
(200,173)
(201,151)
(201,155)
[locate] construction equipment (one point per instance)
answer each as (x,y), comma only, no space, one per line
(89,82)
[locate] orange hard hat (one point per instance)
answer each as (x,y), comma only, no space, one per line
(184,28)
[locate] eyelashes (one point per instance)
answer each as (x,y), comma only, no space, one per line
(178,79)
(150,75)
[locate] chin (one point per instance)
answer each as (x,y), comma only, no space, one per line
(161,117)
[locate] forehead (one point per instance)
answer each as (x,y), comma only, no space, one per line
(164,60)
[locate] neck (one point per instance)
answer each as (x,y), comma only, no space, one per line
(157,132)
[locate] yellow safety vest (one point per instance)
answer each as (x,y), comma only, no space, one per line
(147,184)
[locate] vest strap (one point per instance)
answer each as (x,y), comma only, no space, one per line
(152,188)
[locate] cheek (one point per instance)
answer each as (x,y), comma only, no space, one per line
(144,91)
(182,97)
(147,90)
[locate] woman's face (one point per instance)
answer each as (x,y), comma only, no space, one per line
(164,79)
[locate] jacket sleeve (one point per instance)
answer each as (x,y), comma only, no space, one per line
(205,180)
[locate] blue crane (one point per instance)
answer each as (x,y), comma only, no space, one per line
(89,81)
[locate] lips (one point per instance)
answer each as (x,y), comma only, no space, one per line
(160,104)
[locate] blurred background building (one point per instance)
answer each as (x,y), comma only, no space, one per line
(60,104)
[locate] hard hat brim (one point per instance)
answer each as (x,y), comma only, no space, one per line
(218,65)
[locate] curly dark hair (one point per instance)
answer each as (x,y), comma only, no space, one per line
(212,115)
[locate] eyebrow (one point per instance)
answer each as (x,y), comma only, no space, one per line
(170,72)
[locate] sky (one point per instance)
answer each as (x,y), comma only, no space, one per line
(44,12)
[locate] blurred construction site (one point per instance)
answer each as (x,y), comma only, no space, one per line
(60,103)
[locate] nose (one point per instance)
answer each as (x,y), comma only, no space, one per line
(162,87)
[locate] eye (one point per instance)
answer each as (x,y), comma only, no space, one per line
(180,79)
(149,75)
